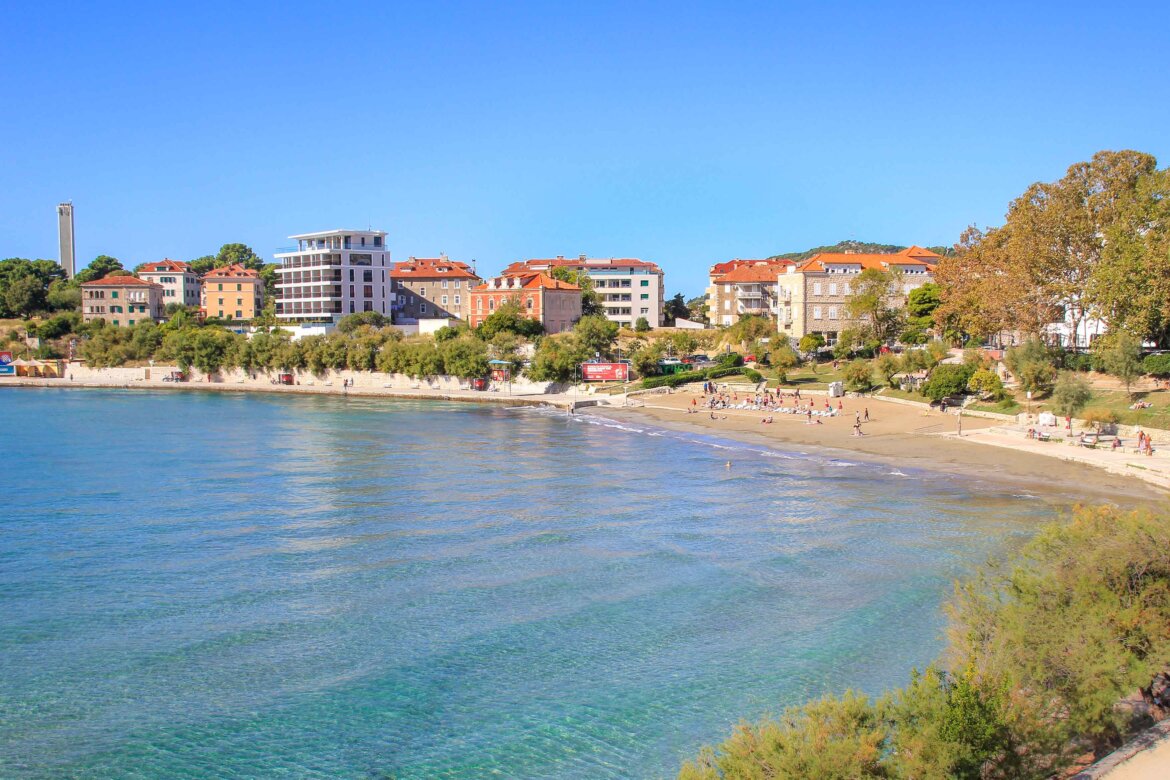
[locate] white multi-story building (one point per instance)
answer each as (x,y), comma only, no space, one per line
(627,288)
(330,274)
(180,284)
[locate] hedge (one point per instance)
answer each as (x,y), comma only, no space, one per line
(1156,365)
(674,380)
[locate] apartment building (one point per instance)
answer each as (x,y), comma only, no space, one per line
(332,273)
(555,304)
(232,293)
(812,297)
(432,287)
(740,287)
(627,287)
(180,284)
(121,300)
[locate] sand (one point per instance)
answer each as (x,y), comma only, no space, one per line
(909,436)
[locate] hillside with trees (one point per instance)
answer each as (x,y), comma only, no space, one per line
(858,247)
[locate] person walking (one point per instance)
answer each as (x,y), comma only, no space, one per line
(867,414)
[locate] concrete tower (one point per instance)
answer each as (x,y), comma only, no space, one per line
(65,237)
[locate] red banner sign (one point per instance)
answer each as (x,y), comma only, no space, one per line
(605,372)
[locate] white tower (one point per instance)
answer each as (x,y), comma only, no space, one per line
(65,237)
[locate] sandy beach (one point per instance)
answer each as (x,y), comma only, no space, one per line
(915,437)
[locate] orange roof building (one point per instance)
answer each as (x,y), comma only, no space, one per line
(740,287)
(180,284)
(121,300)
(813,296)
(554,303)
(232,292)
(431,287)
(628,288)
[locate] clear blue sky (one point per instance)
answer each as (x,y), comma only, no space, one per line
(684,133)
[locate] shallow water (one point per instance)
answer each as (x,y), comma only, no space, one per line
(218,585)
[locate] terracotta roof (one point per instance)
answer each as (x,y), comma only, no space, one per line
(819,261)
(165,265)
(764,272)
(432,268)
(541,264)
(921,254)
(120,281)
(719,269)
(233,271)
(530,282)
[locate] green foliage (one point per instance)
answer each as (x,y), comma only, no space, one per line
(641,325)
(1100,417)
(1070,395)
(872,302)
(676,307)
(987,383)
(60,325)
(1040,652)
(101,267)
(558,358)
(753,376)
(729,359)
(508,317)
(811,342)
(922,301)
(1121,355)
(784,356)
(1032,365)
(857,247)
(1157,365)
(644,358)
(751,327)
(858,375)
(25,287)
(596,334)
(465,357)
(352,322)
(886,366)
(685,377)
(946,380)
(696,309)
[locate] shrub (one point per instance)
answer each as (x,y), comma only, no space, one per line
(811,342)
(730,359)
(1156,365)
(858,375)
(946,380)
(1097,418)
(753,376)
(1070,395)
(987,383)
(642,325)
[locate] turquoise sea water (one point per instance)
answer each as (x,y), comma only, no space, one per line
(205,585)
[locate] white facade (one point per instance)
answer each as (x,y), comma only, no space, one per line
(332,273)
(179,285)
(627,288)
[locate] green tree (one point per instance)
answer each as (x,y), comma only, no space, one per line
(872,302)
(1121,355)
(946,380)
(465,357)
(558,358)
(887,365)
(101,267)
(1032,365)
(352,322)
(596,334)
(23,296)
(683,343)
(697,309)
(858,375)
(1070,394)
(509,317)
(642,325)
(811,342)
(676,308)
(987,383)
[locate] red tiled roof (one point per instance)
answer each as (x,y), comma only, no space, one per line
(120,281)
(520,268)
(719,269)
(764,272)
(866,261)
(530,282)
(165,265)
(233,271)
(431,268)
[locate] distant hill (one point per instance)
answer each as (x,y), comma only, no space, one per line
(861,247)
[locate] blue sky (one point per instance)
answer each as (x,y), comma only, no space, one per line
(683,133)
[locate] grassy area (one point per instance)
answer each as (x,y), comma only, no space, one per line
(803,376)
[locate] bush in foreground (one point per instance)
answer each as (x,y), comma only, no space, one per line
(1040,653)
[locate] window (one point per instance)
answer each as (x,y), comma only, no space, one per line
(239,314)
(221,301)
(816,288)
(846,286)
(816,312)
(422,308)
(220,286)
(444,300)
(726,305)
(113,293)
(644,310)
(444,284)
(129,322)
(645,296)
(530,304)
(401,300)
(239,301)
(727,289)
(368,291)
(645,283)
(351,275)
(832,312)
(457,284)
(456,300)
(239,287)
(422,292)
(367,276)
(832,289)
(491,304)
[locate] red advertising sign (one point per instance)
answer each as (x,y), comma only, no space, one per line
(605,372)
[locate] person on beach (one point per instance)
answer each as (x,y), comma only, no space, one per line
(867,414)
